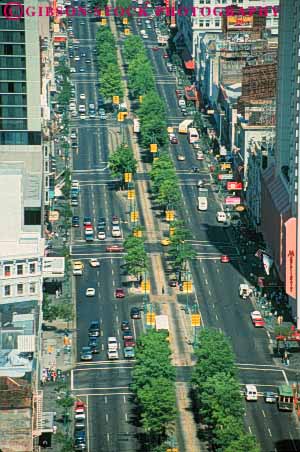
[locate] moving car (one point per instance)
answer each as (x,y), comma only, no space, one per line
(125,325)
(115,231)
(114,249)
(165,242)
(119,293)
(90,292)
(115,221)
(129,343)
(270,397)
(221,217)
(73,134)
(86,354)
(101,222)
(181,157)
(101,235)
(112,354)
(112,343)
(127,335)
(251,393)
(224,259)
(94,262)
(200,155)
(257,319)
(87,221)
(135,313)
(174,140)
(129,353)
(77,268)
(75,221)
(82,96)
(94,345)
(94,329)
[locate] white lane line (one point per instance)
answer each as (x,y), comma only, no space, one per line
(269,432)
(264,414)
(203,269)
(209,291)
(106,418)
(218,271)
(118,331)
(124,399)
(107,437)
(102,347)
(105,389)
(206,282)
(217,318)
(105,399)
(113,283)
(72,380)
(250,431)
(88,424)
(126,417)
(112,271)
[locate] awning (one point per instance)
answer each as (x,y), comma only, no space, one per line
(189,64)
(60,38)
(188,59)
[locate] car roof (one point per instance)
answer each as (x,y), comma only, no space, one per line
(112,338)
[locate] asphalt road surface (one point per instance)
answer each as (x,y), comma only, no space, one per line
(105,385)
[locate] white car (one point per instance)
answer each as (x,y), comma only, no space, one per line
(112,343)
(181,158)
(73,135)
(256,315)
(101,235)
(90,292)
(221,217)
(72,70)
(77,58)
(82,96)
(115,231)
(112,354)
(94,262)
(200,155)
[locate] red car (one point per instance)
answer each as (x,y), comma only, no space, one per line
(155,49)
(119,293)
(129,343)
(174,140)
(79,406)
(225,259)
(114,249)
(166,55)
(88,225)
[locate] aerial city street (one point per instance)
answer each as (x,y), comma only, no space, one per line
(149,243)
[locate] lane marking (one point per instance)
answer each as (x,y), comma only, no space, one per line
(264,414)
(88,424)
(106,418)
(270,432)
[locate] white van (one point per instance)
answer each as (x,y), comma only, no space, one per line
(181,103)
(202,203)
(112,344)
(251,393)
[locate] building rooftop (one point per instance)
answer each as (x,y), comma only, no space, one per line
(14,240)
(17,340)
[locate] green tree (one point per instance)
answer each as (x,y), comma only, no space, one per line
(124,4)
(227,430)
(136,259)
(220,397)
(169,193)
(140,75)
(133,46)
(214,354)
(244,442)
(66,443)
(99,4)
(122,161)
(158,401)
(111,83)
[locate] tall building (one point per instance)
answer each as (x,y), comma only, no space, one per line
(20,111)
(192,29)
(280,181)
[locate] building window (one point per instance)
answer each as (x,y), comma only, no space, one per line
(217,23)
(32,288)
(7,270)
(207,24)
(201,23)
(7,291)
(32,216)
(32,268)
(20,269)
(20,289)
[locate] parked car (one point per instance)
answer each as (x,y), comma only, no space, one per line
(94,329)
(86,354)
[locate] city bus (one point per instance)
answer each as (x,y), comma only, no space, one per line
(193,135)
(285,398)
